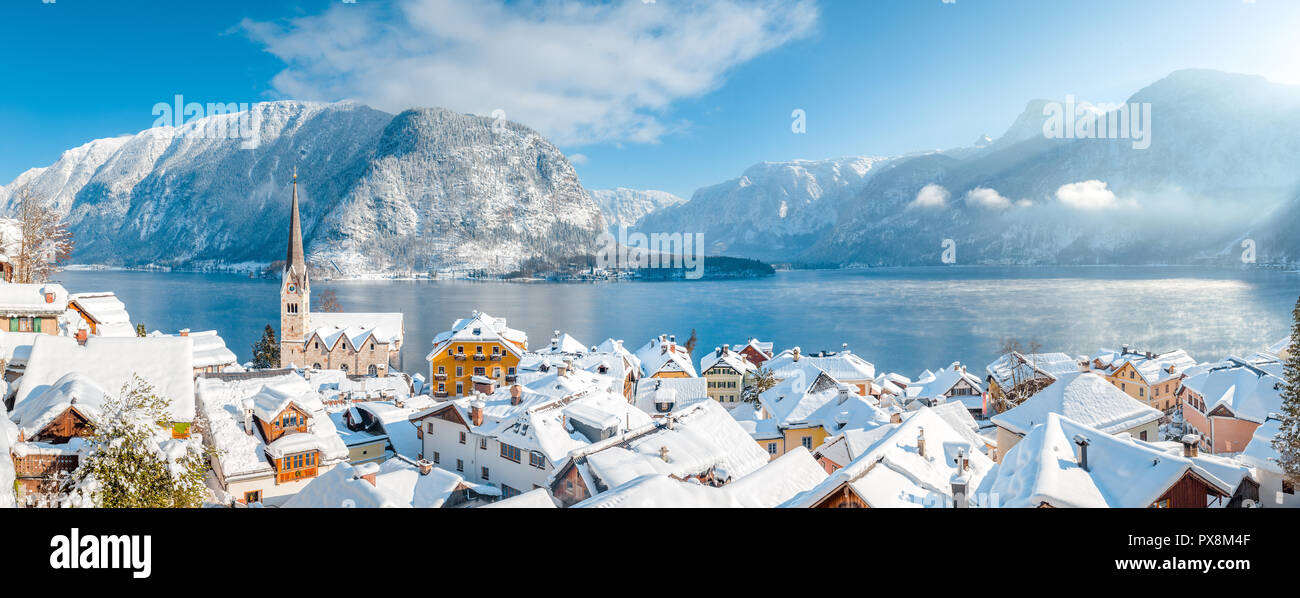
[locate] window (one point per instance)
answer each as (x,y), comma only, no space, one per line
(496,350)
(430,426)
(460,371)
(344,367)
(372,370)
(511,453)
(252,497)
(485,474)
(482,444)
(507,491)
(1142,435)
(437,457)
(1160,504)
(460,349)
(460,465)
(496,372)
(536,460)
(462,438)
(372,346)
(315,366)
(479,349)
(460,387)
(1142,392)
(480,371)
(442,369)
(511,371)
(1288,486)
(771,448)
(807,442)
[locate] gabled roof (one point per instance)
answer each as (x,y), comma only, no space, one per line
(166,363)
(1083,397)
(358,327)
(29,299)
(480,328)
(892,473)
(1017,367)
(938,384)
(209,348)
(271,401)
(107,311)
(727,358)
(43,406)
(821,401)
(398,484)
(1239,387)
(686,392)
(565,343)
(664,355)
(1153,369)
(843,365)
(1122,472)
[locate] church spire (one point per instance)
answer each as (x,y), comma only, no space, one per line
(295,262)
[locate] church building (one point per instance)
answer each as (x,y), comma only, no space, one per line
(357,343)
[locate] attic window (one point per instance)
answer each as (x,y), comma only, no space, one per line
(478,331)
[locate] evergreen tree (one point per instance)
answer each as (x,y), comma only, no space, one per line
(266,352)
(1287,442)
(139,331)
(759,382)
(127,464)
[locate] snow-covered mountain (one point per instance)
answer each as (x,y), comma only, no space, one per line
(625,207)
(772,212)
(424,190)
(1221,164)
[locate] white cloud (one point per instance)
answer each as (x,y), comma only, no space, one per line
(578,159)
(931,196)
(1088,195)
(576,71)
(983,197)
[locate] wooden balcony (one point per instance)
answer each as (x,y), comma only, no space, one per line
(295,475)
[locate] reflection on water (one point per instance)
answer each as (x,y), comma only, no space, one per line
(902,319)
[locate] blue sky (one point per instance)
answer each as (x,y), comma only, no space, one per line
(668,95)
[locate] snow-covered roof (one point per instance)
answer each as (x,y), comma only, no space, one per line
(478,328)
(1259,451)
(16,347)
(565,343)
(843,365)
(1122,472)
(533,365)
(30,299)
(932,385)
(767,487)
(801,402)
(726,357)
(73,389)
(1083,397)
(1153,368)
(892,473)
(1246,391)
(701,439)
(108,312)
(1016,367)
(209,348)
(386,327)
(686,392)
(664,355)
(616,347)
(241,454)
(398,484)
(271,401)
(396,423)
(1280,346)
(164,363)
(537,498)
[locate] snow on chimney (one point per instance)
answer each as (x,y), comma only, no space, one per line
(1191,446)
(920,441)
(1083,443)
(247,406)
(81,336)
(794,354)
(366,471)
(476,411)
(516,394)
(426,467)
(185,332)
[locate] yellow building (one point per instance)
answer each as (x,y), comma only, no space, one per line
(662,357)
(479,350)
(1148,377)
(725,371)
(806,409)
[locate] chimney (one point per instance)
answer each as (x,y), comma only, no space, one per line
(1191,446)
(365,471)
(844,393)
(663,453)
(247,406)
(1083,443)
(185,332)
(960,486)
(555,341)
(896,418)
(476,411)
(844,348)
(49,296)
(426,467)
(920,442)
(516,394)
(81,336)
(794,354)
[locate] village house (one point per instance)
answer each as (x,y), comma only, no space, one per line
(607,359)
(768,486)
(840,450)
(1282,349)
(357,343)
(270,433)
(1029,373)
(682,393)
(102,313)
(919,462)
(952,383)
(33,307)
(1276,490)
(701,443)
(64,388)
(755,352)
(1225,402)
(726,371)
(1062,463)
(662,357)
(805,411)
(844,366)
(514,437)
(1148,377)
(395,483)
(478,347)
(210,352)
(1086,398)
(363,433)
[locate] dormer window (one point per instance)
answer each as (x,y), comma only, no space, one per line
(478,332)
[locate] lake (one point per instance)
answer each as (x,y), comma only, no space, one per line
(901,319)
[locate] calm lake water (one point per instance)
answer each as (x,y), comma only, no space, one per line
(901,319)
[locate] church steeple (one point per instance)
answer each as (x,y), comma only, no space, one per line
(294,263)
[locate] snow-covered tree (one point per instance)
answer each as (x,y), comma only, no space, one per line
(758,382)
(131,460)
(266,352)
(1287,442)
(43,243)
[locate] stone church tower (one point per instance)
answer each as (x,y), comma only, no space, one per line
(295,293)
